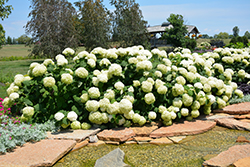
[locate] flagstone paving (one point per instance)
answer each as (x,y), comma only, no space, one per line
(186,128)
(77,135)
(42,153)
(240,108)
(233,124)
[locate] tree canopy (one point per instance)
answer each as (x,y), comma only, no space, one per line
(236,31)
(96,22)
(176,34)
(52,27)
(247,34)
(2,36)
(129,28)
(5,10)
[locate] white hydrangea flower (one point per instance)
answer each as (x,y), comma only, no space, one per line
(195,113)
(46,62)
(198,85)
(187,100)
(136,118)
(75,125)
(12,88)
(61,61)
(94,92)
(131,89)
(82,54)
(103,77)
(132,60)
(147,86)
(59,116)
(136,83)
(164,69)
(181,80)
(158,74)
(95,81)
(49,82)
(162,89)
(113,108)
(125,106)
(177,102)
(91,56)
(129,115)
(81,72)
(177,89)
(119,85)
(104,104)
(142,121)
(91,63)
(166,116)
(115,69)
(39,70)
(184,112)
(149,98)
(152,115)
(66,78)
(96,117)
(33,65)
(18,79)
(84,97)
(92,105)
(68,51)
(28,111)
(104,62)
(110,94)
(72,116)
(13,96)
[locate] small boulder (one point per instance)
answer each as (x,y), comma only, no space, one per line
(113,159)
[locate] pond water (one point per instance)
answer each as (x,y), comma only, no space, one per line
(189,153)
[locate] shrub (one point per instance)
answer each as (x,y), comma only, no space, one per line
(217,43)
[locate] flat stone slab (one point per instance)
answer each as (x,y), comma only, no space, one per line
(42,153)
(177,139)
(161,141)
(80,145)
(244,162)
(182,129)
(245,116)
(144,131)
(233,124)
(117,134)
(240,108)
(141,139)
(213,117)
(228,157)
(77,135)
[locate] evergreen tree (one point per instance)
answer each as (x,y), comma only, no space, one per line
(129,28)
(9,40)
(2,36)
(236,31)
(52,27)
(94,23)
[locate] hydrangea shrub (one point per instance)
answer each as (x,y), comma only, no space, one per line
(117,87)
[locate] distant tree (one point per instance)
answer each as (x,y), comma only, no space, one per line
(247,34)
(9,40)
(14,41)
(95,23)
(223,35)
(205,36)
(176,35)
(52,27)
(129,27)
(5,10)
(231,36)
(2,36)
(236,31)
(23,39)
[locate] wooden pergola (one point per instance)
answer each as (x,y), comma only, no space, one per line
(160,29)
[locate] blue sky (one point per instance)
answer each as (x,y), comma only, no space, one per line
(210,17)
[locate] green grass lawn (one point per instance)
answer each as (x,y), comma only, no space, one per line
(14,50)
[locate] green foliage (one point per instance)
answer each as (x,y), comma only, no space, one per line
(14,134)
(247,34)
(176,35)
(129,28)
(217,42)
(236,31)
(5,10)
(236,100)
(52,27)
(94,24)
(2,36)
(9,40)
(191,44)
(23,39)
(239,42)
(222,35)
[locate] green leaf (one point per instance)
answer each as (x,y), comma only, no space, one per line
(190,92)
(75,109)
(28,102)
(65,121)
(42,90)
(179,115)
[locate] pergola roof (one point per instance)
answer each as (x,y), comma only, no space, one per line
(162,28)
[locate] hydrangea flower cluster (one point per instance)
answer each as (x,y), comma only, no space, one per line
(117,87)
